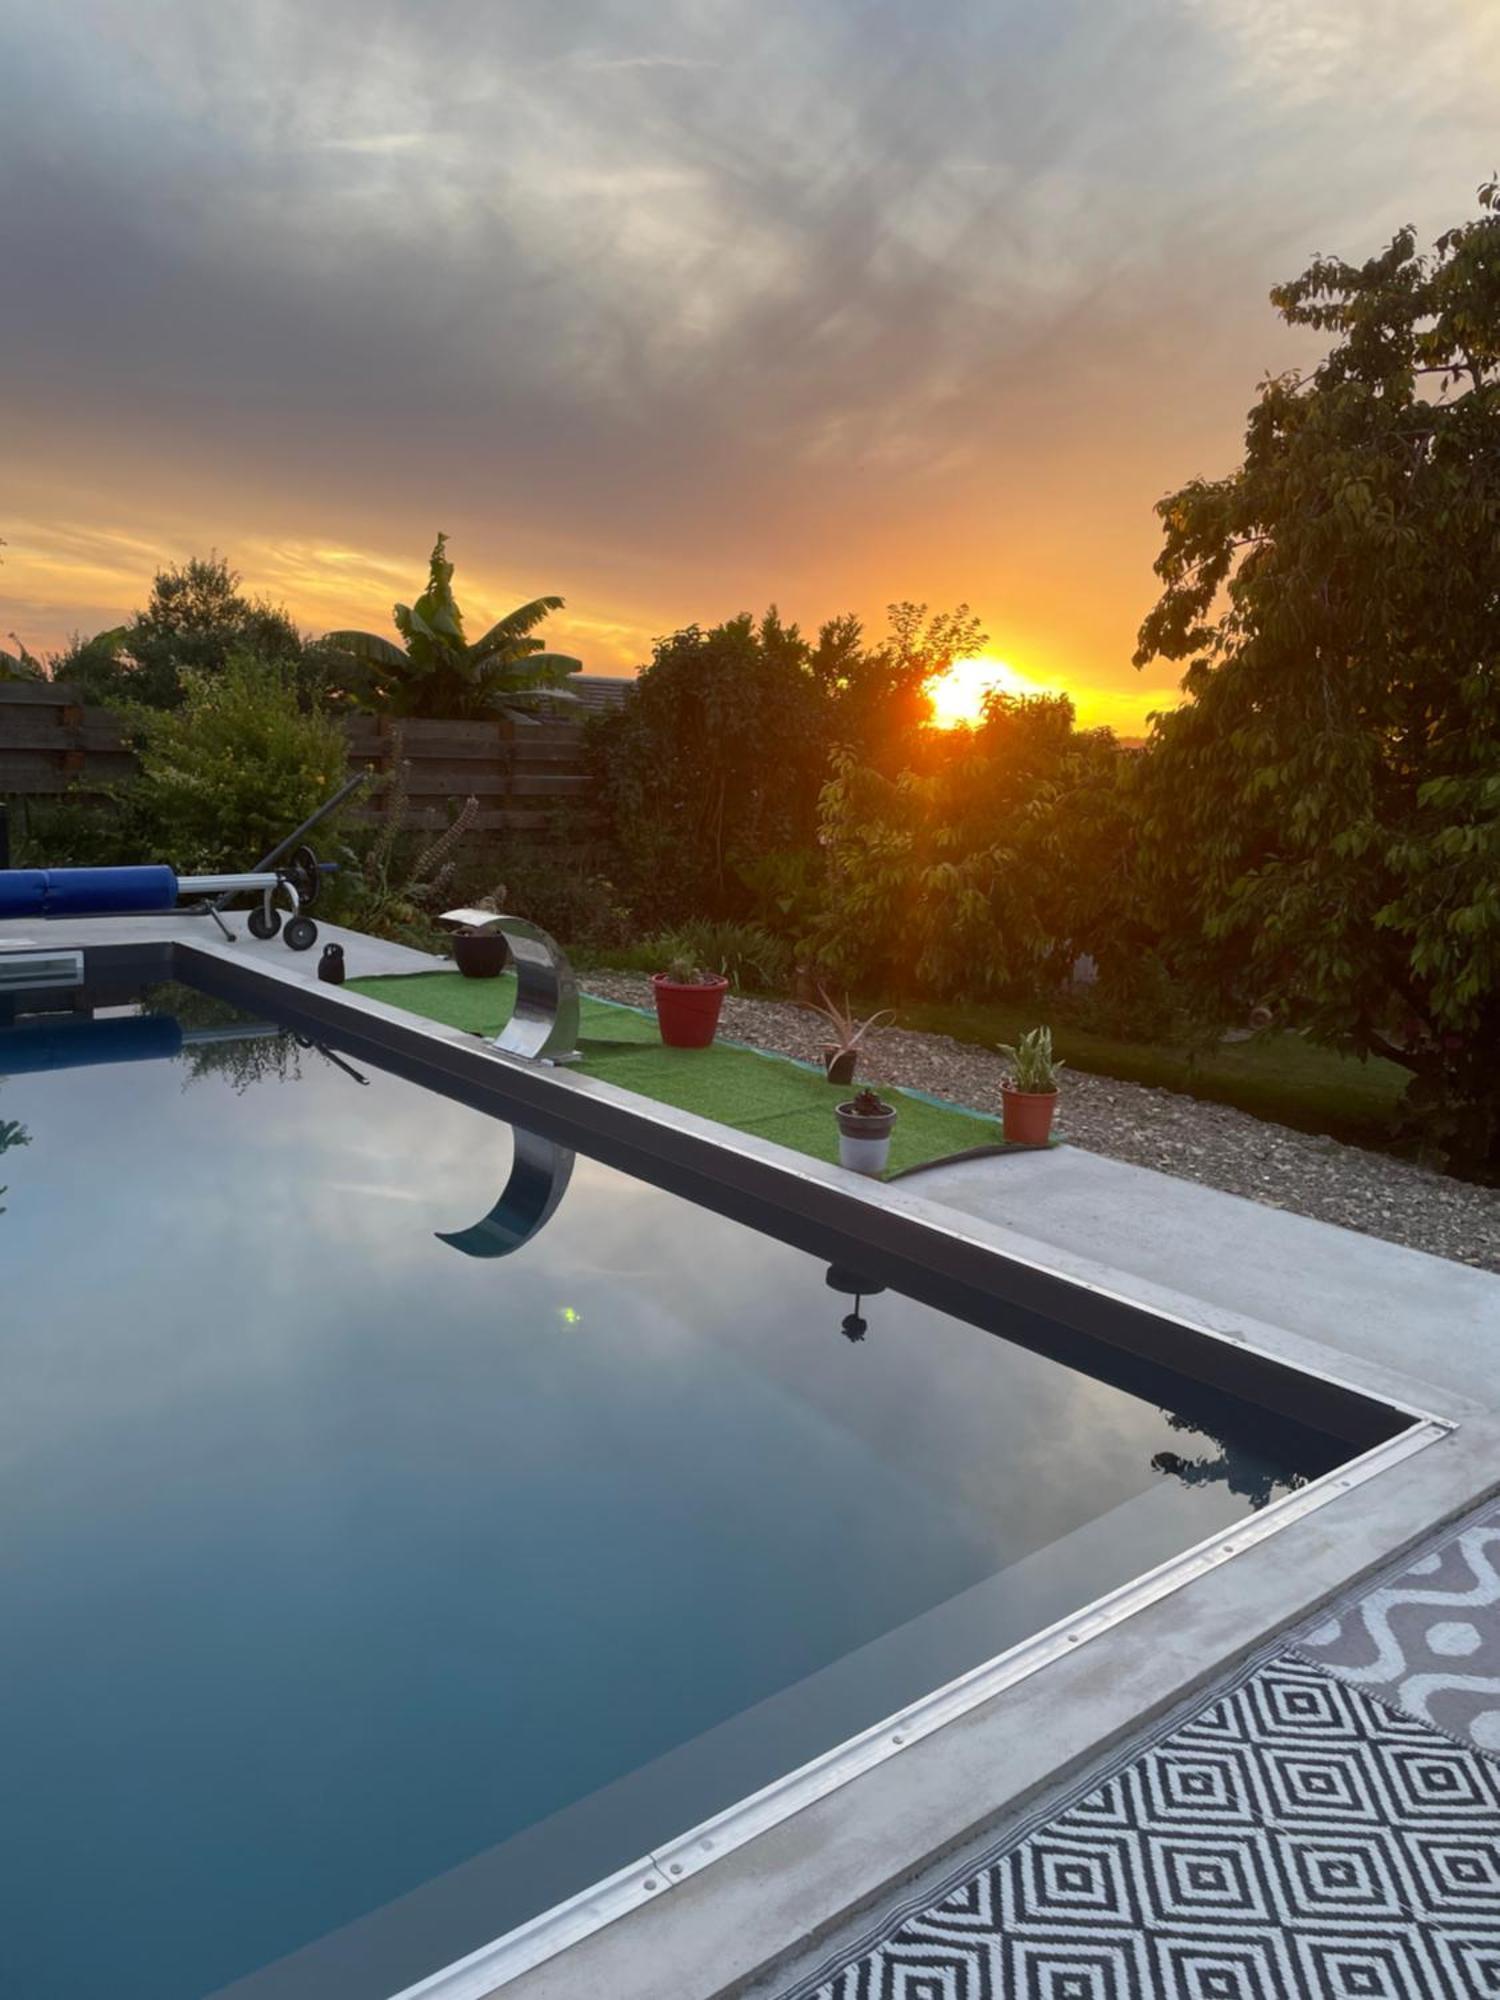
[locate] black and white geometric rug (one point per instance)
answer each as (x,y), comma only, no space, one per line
(1303,1837)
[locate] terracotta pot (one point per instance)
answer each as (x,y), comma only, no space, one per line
(839,1064)
(1028,1115)
(482,956)
(686,1012)
(864,1138)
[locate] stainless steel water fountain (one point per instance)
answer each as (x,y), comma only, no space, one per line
(544,1025)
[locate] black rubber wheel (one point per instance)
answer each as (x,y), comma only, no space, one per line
(263,923)
(303,873)
(301,934)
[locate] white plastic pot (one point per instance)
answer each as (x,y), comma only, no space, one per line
(864,1141)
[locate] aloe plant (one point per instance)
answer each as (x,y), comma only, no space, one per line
(846,1029)
(1033,1067)
(440,672)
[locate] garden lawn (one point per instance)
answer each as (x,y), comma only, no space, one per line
(1282,1077)
(746,1089)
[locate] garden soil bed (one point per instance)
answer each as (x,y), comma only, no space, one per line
(1175,1134)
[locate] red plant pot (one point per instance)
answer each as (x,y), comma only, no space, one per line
(1028,1115)
(688,1015)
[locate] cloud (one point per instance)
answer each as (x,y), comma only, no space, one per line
(606,63)
(832,304)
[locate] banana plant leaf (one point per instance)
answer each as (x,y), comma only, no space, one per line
(515,624)
(368,646)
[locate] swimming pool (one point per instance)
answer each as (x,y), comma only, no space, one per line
(413,1520)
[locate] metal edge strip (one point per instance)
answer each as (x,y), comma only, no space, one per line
(531,1944)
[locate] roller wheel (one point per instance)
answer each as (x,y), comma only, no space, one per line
(300,934)
(263,923)
(303,873)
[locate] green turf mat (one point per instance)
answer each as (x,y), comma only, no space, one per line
(483,1006)
(769,1095)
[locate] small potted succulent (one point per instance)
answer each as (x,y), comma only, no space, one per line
(865,1125)
(1029,1093)
(481,954)
(687,1004)
(841,1052)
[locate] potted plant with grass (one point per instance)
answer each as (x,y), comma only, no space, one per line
(866,1122)
(688,1001)
(1029,1093)
(847,1032)
(481,954)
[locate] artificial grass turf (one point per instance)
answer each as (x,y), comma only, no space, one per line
(769,1095)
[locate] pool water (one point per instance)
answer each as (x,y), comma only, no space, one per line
(360,1594)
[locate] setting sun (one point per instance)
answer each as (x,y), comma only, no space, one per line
(958,695)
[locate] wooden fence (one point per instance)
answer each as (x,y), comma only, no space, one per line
(519,771)
(51,741)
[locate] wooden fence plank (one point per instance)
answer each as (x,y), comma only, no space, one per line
(41,694)
(43,729)
(52,743)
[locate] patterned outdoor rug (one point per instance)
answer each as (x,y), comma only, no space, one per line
(1310,1835)
(1429,1641)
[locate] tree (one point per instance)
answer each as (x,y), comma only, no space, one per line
(440,672)
(878,696)
(716,760)
(986,872)
(1323,811)
(197,619)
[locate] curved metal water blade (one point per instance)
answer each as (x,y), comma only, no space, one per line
(544,1026)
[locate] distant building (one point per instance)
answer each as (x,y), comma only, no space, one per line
(600,693)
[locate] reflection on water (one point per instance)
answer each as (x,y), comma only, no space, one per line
(1253,1479)
(334,1558)
(12,1134)
(539,1176)
(212,1039)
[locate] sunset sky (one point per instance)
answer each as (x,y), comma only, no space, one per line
(682,306)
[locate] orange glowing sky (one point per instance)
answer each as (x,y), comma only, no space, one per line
(685,310)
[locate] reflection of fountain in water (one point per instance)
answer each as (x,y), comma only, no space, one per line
(539,1176)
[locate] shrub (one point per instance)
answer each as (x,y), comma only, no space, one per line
(570,896)
(75,830)
(746,954)
(401,876)
(988,872)
(233,769)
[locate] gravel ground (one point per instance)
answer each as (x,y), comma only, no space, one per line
(1185,1136)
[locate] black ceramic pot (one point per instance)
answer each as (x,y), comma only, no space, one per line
(481,957)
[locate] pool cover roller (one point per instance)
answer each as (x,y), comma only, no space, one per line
(154,890)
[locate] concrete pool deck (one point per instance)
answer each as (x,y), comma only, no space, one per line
(1392,1322)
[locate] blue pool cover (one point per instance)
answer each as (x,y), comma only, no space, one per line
(86,892)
